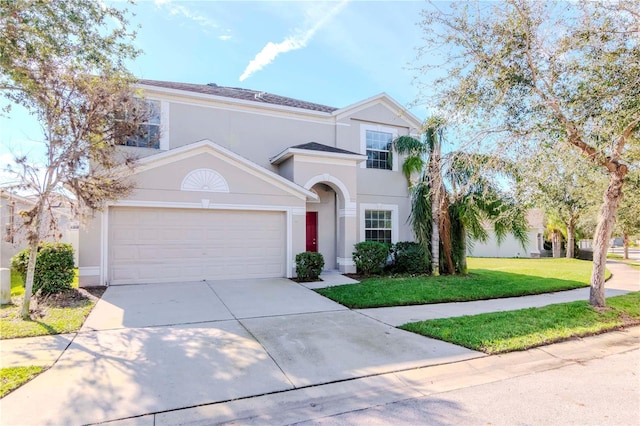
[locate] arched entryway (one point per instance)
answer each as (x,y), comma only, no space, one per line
(330,222)
(321,224)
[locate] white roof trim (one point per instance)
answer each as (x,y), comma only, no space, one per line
(381,98)
(10,196)
(229,100)
(289,152)
(204,146)
(384,99)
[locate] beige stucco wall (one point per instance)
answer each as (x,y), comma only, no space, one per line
(298,232)
(163,184)
(255,136)
(90,252)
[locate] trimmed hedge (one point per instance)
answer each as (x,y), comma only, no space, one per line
(410,258)
(370,257)
(54,267)
(309,265)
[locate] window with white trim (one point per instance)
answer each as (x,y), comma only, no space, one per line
(377,226)
(379,150)
(148,135)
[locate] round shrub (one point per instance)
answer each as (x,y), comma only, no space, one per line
(309,265)
(54,267)
(410,258)
(370,257)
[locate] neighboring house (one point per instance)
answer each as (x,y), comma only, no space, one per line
(233,183)
(13,234)
(510,247)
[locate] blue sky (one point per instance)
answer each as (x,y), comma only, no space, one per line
(334,53)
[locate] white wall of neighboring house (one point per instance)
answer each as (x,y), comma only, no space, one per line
(510,247)
(13,238)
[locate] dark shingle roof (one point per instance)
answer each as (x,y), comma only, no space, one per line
(315,146)
(238,93)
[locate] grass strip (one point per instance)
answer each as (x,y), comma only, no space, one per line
(523,329)
(487,279)
(48,320)
(14,377)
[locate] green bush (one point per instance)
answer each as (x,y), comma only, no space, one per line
(309,265)
(410,258)
(54,267)
(370,257)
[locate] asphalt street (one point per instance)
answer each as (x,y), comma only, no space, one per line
(603,391)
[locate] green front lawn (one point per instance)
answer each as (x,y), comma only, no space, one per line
(61,314)
(14,377)
(523,329)
(46,320)
(488,278)
(17,285)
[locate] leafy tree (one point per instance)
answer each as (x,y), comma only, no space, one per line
(566,189)
(452,197)
(566,72)
(64,62)
(628,215)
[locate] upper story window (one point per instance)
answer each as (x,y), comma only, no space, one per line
(379,150)
(148,135)
(376,142)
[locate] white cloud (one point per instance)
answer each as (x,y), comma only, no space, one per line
(297,41)
(200,19)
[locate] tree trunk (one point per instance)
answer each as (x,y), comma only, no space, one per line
(626,241)
(436,206)
(463,261)
(435,237)
(571,243)
(28,285)
(555,243)
(33,236)
(606,220)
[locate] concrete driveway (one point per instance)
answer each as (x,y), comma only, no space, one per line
(159,347)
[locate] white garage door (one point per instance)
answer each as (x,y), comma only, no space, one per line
(173,245)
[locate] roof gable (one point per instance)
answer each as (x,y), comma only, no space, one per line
(318,150)
(207,146)
(388,102)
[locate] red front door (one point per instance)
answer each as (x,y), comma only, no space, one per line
(312,231)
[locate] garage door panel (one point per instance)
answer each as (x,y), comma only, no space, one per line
(156,245)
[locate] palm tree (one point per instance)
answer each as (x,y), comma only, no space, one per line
(427,193)
(451,199)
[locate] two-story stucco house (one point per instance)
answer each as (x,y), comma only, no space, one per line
(239,181)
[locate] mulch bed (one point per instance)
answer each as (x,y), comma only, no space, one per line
(298,280)
(71,298)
